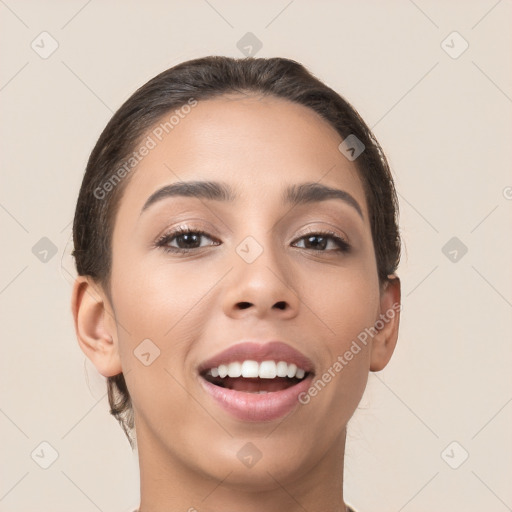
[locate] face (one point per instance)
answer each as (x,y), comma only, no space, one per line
(261,269)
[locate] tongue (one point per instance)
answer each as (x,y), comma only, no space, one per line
(257,384)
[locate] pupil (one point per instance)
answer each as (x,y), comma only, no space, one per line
(322,243)
(186,237)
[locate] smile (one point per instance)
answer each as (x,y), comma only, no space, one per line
(257,389)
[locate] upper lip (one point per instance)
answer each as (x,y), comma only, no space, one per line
(269,351)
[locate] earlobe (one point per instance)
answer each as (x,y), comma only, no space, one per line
(95,332)
(386,325)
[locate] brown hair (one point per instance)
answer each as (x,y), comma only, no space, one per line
(202,79)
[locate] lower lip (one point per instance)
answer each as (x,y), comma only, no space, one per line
(255,407)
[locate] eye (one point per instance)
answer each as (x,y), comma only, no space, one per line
(187,240)
(318,241)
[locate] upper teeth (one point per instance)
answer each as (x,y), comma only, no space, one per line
(252,369)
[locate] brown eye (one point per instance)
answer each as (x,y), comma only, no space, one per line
(318,241)
(186,240)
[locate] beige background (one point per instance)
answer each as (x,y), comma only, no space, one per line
(445,124)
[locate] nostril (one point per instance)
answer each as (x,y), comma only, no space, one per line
(245,305)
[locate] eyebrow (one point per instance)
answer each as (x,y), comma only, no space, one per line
(303,193)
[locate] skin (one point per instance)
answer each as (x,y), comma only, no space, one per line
(192,306)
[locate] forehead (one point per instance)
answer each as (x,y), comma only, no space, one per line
(258,144)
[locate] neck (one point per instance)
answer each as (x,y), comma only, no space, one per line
(169,482)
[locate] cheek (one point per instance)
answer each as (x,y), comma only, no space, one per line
(151,299)
(167,304)
(158,308)
(345,301)
(345,305)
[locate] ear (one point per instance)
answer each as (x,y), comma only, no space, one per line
(386,325)
(95,326)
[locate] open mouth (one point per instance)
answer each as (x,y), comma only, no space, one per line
(253,377)
(254,385)
(259,388)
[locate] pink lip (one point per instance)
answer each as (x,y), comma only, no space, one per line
(252,406)
(271,351)
(255,407)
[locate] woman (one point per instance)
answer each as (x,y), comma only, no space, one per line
(236,243)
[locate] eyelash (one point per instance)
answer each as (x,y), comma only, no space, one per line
(343,245)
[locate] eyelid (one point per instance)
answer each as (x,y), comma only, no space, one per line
(206,231)
(188,225)
(335,231)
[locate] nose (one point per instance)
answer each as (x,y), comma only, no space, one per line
(263,288)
